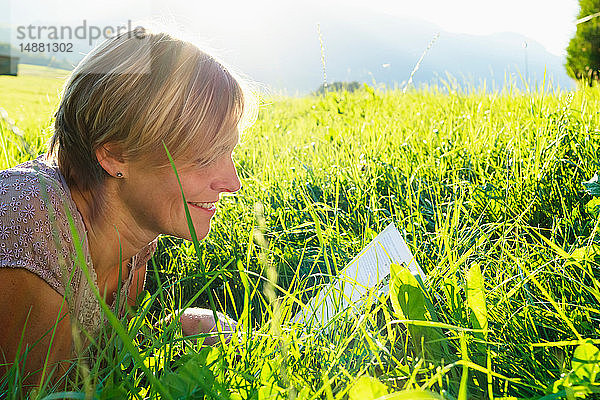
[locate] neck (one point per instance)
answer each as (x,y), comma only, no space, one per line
(113,237)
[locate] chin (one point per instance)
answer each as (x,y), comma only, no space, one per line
(201,229)
(200,234)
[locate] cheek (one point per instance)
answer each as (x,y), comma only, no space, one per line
(154,198)
(194,187)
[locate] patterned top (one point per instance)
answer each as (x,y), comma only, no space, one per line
(35,234)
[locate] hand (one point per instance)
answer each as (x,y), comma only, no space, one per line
(195,321)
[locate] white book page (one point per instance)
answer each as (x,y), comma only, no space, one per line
(365,272)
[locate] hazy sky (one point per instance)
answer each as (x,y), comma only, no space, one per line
(550,22)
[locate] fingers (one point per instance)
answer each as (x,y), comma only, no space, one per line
(195,321)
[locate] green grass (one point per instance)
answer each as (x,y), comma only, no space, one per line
(30,100)
(487,189)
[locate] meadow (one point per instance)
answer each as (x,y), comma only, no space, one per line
(488,191)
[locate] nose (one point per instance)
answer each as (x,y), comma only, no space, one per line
(235,182)
(229,182)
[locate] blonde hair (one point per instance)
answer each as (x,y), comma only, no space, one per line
(139,90)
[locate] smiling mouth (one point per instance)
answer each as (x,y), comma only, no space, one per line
(206,206)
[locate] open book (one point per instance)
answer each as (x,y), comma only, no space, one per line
(366,272)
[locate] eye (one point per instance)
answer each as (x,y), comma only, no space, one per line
(220,153)
(226,151)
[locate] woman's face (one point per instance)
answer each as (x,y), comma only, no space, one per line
(153,197)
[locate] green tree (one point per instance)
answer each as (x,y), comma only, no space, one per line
(583,52)
(338,87)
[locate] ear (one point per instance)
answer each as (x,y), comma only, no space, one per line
(110,157)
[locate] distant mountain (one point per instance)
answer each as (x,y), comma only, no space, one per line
(384,50)
(282,51)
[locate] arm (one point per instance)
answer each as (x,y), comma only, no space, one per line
(200,320)
(29,307)
(195,321)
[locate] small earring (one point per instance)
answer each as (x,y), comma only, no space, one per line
(119,174)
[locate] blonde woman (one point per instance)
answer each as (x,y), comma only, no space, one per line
(107,169)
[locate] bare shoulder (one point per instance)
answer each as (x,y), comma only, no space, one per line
(31,309)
